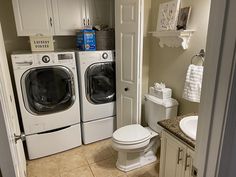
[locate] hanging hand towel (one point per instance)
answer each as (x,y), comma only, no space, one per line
(193,83)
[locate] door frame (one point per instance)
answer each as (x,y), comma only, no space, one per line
(214,142)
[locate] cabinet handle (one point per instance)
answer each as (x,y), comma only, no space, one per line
(88,22)
(179,155)
(186,162)
(84,22)
(51,21)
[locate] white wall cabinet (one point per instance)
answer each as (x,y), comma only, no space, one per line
(68,16)
(33,17)
(100,12)
(176,157)
(60,17)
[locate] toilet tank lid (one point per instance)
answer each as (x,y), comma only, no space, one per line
(131,133)
(164,102)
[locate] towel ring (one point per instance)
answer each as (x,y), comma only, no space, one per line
(200,55)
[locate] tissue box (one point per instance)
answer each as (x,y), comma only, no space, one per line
(86,40)
(165,93)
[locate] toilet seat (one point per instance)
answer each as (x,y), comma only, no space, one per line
(131,134)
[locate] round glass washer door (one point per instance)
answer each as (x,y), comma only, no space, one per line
(48,90)
(100,83)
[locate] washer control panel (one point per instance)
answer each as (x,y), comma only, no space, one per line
(24,61)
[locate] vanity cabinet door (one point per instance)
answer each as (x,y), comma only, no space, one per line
(33,17)
(69,16)
(172,157)
(189,157)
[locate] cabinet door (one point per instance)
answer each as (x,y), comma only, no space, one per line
(188,163)
(69,16)
(100,12)
(33,17)
(172,157)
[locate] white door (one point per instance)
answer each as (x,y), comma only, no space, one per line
(128,24)
(10,115)
(69,16)
(33,17)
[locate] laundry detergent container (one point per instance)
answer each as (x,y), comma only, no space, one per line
(137,145)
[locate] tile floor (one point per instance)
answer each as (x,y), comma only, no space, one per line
(93,160)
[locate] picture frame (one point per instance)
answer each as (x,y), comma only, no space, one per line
(168,15)
(183,18)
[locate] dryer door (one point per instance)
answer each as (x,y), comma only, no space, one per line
(48,89)
(100,83)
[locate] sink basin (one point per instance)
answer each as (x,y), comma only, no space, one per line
(188,125)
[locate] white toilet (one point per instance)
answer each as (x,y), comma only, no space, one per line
(137,145)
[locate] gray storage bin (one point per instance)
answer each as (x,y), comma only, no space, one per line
(105,40)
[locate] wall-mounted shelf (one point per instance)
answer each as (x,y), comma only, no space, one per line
(174,38)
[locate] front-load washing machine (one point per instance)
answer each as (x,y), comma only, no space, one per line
(96,71)
(48,96)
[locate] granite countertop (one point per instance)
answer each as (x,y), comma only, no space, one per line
(172,126)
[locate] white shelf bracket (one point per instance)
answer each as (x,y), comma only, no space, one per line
(174,38)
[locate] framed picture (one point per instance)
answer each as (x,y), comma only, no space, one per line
(168,15)
(184,14)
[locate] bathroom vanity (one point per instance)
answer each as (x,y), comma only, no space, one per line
(177,150)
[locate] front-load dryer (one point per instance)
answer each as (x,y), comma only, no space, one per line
(96,72)
(48,96)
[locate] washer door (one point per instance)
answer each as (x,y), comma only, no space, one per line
(100,83)
(48,90)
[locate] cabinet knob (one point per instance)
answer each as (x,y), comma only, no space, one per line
(126,89)
(88,22)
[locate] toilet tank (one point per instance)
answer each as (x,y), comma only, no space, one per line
(158,109)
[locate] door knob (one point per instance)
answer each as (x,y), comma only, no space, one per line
(21,137)
(126,89)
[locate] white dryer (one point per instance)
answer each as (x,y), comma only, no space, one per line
(48,95)
(96,70)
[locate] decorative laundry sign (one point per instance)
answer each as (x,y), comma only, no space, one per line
(41,43)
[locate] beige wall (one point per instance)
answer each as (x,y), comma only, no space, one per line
(169,65)
(12,42)
(146,51)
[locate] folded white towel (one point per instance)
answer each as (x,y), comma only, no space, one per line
(193,83)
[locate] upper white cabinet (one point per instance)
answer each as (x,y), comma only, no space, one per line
(68,15)
(60,17)
(33,17)
(99,12)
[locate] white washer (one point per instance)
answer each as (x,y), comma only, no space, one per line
(48,95)
(96,71)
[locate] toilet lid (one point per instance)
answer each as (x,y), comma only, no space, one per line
(131,134)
